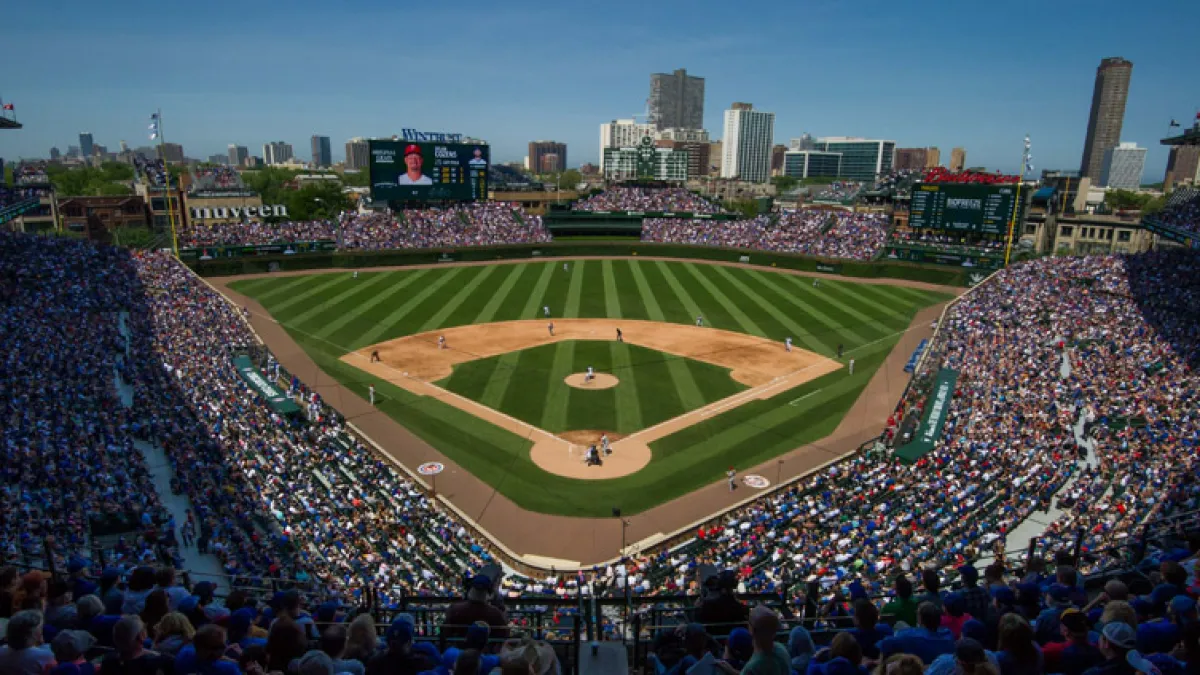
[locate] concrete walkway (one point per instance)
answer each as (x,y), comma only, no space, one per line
(203,566)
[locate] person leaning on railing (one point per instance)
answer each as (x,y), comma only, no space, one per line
(476,607)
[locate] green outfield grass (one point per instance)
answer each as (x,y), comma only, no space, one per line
(529,386)
(331,314)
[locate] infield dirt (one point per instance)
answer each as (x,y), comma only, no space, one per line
(416,361)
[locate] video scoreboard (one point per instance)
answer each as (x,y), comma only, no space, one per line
(427,171)
(986,209)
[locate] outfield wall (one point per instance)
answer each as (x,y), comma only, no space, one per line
(934,274)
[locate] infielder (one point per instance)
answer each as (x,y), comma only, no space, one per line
(546,311)
(620,338)
(371,392)
(591,374)
(375,356)
(441,342)
(604,444)
(550,327)
(787,344)
(699,321)
(851,366)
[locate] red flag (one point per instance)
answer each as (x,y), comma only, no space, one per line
(9,106)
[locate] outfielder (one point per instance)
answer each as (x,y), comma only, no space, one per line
(550,327)
(565,267)
(851,366)
(787,344)
(699,321)
(546,311)
(355,274)
(591,374)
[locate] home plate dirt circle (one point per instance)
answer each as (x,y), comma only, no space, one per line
(600,381)
(563,458)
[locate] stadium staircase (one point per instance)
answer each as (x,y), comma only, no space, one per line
(518,217)
(462,216)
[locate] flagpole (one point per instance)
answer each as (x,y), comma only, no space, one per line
(1017,203)
(162,139)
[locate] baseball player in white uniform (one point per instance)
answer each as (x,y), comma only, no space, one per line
(371,392)
(604,444)
(355,274)
(591,374)
(787,344)
(731,474)
(851,366)
(441,342)
(565,267)
(699,321)
(546,311)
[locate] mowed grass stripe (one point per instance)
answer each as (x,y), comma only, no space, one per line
(532,308)
(820,301)
(362,285)
(834,330)
(554,409)
(793,328)
(284,285)
(280,310)
(681,376)
(526,400)
(747,324)
(628,409)
(497,385)
(465,291)
(628,297)
(883,300)
(574,292)
(862,306)
(592,408)
(593,302)
(653,285)
(388,325)
(493,304)
(354,316)
(681,293)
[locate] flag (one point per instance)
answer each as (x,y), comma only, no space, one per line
(154,116)
(153,135)
(1174,123)
(9,106)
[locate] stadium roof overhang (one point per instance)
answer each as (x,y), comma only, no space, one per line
(1189,137)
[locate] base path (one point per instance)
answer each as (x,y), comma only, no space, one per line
(415,361)
(598,381)
(542,539)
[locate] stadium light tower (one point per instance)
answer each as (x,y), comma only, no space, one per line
(1026,166)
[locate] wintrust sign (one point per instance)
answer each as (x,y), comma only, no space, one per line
(235,212)
(414,135)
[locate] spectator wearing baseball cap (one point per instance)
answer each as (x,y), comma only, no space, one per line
(1076,652)
(1117,640)
(81,585)
(477,606)
(1162,633)
(1046,626)
(400,658)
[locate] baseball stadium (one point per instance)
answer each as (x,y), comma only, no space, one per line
(626,434)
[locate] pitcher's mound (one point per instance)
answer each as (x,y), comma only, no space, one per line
(600,381)
(565,458)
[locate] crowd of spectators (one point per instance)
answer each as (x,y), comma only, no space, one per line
(831,234)
(17,195)
(646,199)
(476,224)
(947,242)
(1182,210)
(216,178)
(152,171)
(840,191)
(156,624)
(255,233)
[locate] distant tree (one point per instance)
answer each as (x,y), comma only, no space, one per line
(135,237)
(784,183)
(747,208)
(1119,200)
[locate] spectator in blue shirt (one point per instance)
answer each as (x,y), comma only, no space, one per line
(867,629)
(927,641)
(206,654)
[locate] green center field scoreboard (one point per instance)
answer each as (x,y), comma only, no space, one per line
(987,209)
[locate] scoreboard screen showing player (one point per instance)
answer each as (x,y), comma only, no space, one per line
(427,171)
(986,209)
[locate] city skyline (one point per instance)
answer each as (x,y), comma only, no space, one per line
(929,98)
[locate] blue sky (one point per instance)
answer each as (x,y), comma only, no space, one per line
(931,73)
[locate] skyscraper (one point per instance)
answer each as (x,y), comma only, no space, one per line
(171,153)
(1123,166)
(322,155)
(238,154)
(539,149)
(277,152)
(749,135)
(958,159)
(1183,166)
(55,153)
(1107,114)
(863,159)
(357,154)
(85,144)
(676,100)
